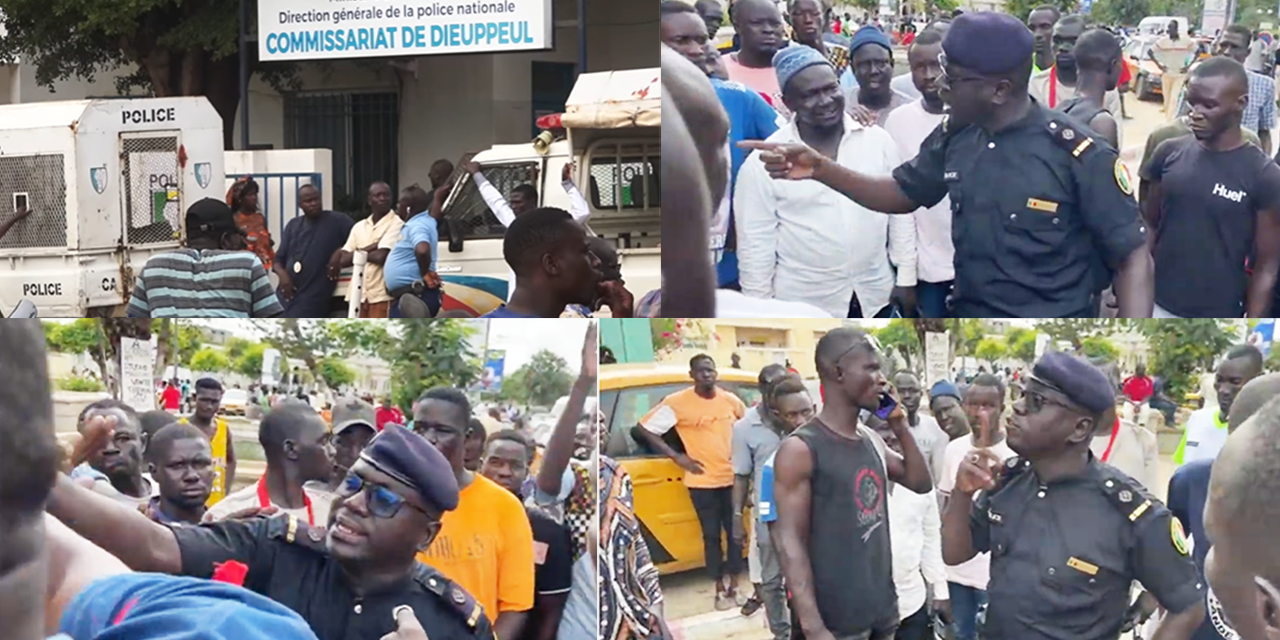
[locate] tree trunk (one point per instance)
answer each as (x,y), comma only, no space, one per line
(309,357)
(192,73)
(165,348)
(113,330)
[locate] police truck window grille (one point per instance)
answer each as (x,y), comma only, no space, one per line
(468,212)
(152,196)
(624,177)
(42,179)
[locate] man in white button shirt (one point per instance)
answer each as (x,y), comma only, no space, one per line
(915,534)
(524,198)
(805,242)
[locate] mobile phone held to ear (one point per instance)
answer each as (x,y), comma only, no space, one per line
(887,405)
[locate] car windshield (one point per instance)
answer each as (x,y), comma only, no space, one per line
(235,396)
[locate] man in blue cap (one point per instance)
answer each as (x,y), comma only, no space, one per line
(348,578)
(1044,245)
(871,61)
(1067,533)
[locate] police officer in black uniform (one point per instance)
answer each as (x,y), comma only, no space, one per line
(1043,214)
(1067,534)
(347,579)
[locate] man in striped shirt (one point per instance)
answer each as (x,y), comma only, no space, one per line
(212,277)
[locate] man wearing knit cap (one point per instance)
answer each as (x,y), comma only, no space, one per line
(785,231)
(871,59)
(944,405)
(1044,245)
(212,276)
(1067,533)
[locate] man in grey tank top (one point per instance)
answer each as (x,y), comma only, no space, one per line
(830,482)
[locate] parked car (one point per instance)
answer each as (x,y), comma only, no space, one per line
(234,402)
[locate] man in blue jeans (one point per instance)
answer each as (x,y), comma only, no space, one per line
(411,265)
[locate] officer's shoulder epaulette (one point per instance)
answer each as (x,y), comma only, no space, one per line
(1012,468)
(1069,136)
(294,531)
(1127,495)
(459,600)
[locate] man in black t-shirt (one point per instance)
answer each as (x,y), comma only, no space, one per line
(1214,206)
(835,551)
(507,455)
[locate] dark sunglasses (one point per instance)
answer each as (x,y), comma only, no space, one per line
(1035,401)
(383,502)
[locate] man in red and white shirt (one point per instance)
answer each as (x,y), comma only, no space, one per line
(1139,386)
(388,412)
(171,397)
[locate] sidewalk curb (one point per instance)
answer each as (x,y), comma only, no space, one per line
(717,624)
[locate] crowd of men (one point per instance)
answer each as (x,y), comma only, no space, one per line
(1001,513)
(557,266)
(848,192)
(374,526)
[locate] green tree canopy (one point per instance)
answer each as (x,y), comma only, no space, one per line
(991,349)
(540,382)
(430,354)
(249,362)
(1099,347)
(336,373)
(210,360)
(1022,344)
(1181,349)
(1075,330)
(900,335)
(173,47)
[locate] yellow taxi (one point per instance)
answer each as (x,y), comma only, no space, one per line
(667,519)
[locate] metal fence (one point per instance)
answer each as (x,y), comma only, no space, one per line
(42,181)
(149,165)
(625,176)
(278,196)
(362,129)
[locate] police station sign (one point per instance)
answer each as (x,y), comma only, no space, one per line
(336,29)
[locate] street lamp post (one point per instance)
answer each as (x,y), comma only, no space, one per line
(244,74)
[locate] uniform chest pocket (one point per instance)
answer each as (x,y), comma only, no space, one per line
(1034,228)
(1080,581)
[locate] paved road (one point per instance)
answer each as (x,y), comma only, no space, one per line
(690,598)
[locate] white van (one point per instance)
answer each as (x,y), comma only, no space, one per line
(1156,25)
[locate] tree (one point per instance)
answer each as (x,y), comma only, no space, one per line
(236,346)
(209,360)
(429,354)
(1099,347)
(992,350)
(1127,12)
(249,363)
(173,47)
(1022,344)
(100,338)
(1075,330)
(177,342)
(541,382)
(901,336)
(336,374)
(1181,349)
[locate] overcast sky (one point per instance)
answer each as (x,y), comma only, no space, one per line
(520,338)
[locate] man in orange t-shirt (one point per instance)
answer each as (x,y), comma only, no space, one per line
(486,544)
(703,416)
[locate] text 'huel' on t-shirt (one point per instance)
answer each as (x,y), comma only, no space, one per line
(1209,203)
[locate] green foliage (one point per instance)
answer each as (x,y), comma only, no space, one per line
(77,383)
(966,335)
(82,336)
(1022,344)
(1075,330)
(992,350)
(541,382)
(237,346)
(249,363)
(1124,12)
(1099,347)
(336,373)
(900,336)
(1181,349)
(1273,360)
(428,354)
(1021,9)
(209,360)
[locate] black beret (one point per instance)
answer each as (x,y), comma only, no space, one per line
(1083,383)
(409,458)
(988,42)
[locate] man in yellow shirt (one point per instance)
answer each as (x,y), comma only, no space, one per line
(205,417)
(703,416)
(486,544)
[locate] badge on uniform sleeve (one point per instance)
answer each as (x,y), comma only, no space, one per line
(1122,178)
(1179,537)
